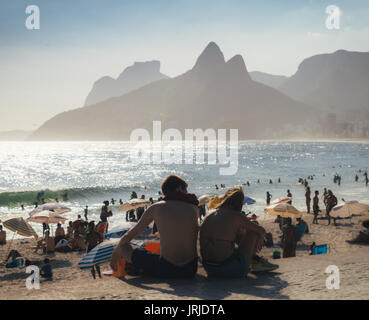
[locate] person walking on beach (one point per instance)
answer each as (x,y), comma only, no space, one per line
(308,198)
(176,217)
(268,198)
(229,240)
(316,207)
(331,202)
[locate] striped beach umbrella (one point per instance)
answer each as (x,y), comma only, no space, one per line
(18,225)
(103,253)
(47,217)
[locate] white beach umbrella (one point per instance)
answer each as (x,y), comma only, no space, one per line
(47,217)
(133,204)
(348,208)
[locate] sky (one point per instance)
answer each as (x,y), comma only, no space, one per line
(46,71)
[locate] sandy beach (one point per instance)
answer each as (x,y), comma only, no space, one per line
(301,277)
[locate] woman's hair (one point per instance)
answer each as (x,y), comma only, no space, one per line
(235,201)
(172,183)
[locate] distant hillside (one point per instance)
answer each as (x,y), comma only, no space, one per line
(133,77)
(336,82)
(270,80)
(15,135)
(213,94)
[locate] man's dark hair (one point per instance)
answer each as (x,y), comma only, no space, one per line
(172,183)
(46,260)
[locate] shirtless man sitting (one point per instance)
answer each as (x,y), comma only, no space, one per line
(225,228)
(176,217)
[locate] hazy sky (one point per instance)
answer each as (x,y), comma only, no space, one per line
(46,71)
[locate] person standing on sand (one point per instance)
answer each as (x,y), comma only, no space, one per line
(92,240)
(176,217)
(308,198)
(289,238)
(229,241)
(331,202)
(316,207)
(2,236)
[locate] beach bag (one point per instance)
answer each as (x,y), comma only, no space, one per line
(276,254)
(321,249)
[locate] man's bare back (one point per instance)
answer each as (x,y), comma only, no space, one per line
(177,223)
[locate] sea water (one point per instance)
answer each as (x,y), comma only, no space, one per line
(91,172)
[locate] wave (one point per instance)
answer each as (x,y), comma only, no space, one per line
(17,198)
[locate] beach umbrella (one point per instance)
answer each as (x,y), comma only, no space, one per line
(47,217)
(284,210)
(119,231)
(248,200)
(102,253)
(204,199)
(348,208)
(55,207)
(18,225)
(281,200)
(133,204)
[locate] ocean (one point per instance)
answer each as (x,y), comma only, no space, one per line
(91,172)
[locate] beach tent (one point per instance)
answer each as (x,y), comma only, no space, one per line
(284,210)
(19,226)
(133,204)
(281,200)
(120,230)
(348,208)
(47,217)
(55,207)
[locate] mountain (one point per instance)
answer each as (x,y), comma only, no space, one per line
(133,77)
(15,135)
(214,94)
(270,80)
(336,82)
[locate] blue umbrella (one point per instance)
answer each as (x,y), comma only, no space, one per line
(248,200)
(119,231)
(103,253)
